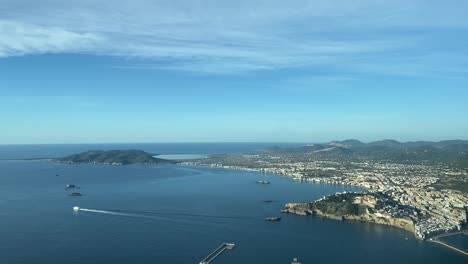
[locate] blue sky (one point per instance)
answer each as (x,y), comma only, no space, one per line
(212,71)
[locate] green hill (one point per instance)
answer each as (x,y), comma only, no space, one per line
(113,157)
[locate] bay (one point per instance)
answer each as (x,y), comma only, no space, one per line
(179,214)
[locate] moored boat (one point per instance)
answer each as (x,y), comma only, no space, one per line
(263,182)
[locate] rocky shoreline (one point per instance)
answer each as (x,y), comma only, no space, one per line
(307,209)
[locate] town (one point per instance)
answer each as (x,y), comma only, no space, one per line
(422,192)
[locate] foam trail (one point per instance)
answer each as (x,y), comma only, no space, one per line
(164,214)
(188,214)
(107,212)
(141,215)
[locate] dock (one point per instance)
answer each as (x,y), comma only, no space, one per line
(208,259)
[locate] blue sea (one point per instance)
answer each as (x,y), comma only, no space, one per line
(177,214)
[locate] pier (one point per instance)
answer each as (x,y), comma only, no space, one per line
(208,259)
(451,247)
(437,240)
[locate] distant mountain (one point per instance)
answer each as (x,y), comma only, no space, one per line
(452,152)
(315,149)
(349,143)
(387,143)
(113,157)
(303,149)
(337,150)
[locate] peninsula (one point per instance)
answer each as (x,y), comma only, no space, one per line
(377,208)
(113,157)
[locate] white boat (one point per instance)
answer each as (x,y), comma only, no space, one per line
(295,261)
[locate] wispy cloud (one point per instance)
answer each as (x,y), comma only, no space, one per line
(244,36)
(22,39)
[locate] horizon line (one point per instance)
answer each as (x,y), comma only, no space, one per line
(228,142)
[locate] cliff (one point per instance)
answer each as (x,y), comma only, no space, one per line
(351,207)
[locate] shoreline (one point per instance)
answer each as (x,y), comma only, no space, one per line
(397,222)
(400,223)
(261,171)
(435,239)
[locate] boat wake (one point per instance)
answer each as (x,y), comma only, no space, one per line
(108,212)
(158,214)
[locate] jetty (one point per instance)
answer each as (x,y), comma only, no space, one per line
(437,239)
(451,247)
(208,259)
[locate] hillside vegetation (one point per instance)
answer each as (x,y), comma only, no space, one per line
(451,152)
(114,157)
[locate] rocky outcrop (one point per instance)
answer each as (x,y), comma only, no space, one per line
(298,208)
(308,209)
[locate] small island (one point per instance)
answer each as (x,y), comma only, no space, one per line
(113,157)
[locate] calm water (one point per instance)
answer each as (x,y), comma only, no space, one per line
(459,241)
(177,214)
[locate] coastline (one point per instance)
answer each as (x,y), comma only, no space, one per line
(398,223)
(305,234)
(395,222)
(263,171)
(401,223)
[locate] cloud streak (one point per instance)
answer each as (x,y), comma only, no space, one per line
(23,39)
(244,36)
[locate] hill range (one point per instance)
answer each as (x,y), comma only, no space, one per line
(451,152)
